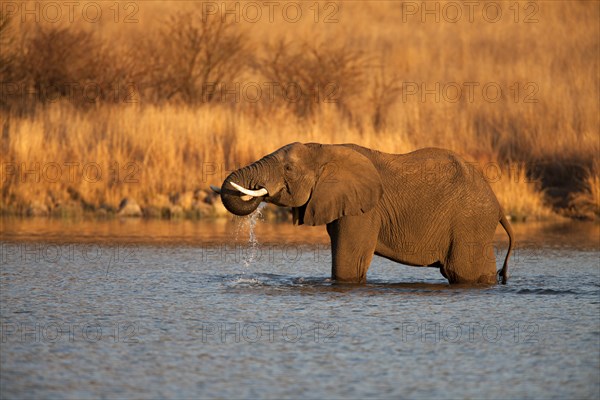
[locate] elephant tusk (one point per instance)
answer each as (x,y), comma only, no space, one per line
(218,191)
(253,193)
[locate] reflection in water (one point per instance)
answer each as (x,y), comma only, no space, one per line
(134,230)
(235,229)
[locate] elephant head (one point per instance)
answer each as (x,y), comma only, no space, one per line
(320,182)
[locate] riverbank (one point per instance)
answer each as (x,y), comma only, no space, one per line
(206,205)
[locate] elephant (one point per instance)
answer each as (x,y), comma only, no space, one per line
(425,208)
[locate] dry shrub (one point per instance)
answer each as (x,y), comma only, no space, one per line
(520,196)
(56,58)
(586,203)
(58,63)
(305,76)
(385,89)
(192,58)
(8,61)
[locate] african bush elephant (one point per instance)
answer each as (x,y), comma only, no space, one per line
(425,208)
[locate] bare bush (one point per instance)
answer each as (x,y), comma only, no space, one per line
(191,56)
(9,70)
(304,76)
(385,90)
(55,59)
(64,63)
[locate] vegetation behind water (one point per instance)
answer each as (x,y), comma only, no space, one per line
(157,108)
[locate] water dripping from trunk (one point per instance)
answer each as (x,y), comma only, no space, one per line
(251,253)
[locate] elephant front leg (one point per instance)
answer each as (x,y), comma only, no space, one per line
(353,242)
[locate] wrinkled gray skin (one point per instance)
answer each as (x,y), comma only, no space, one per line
(425,208)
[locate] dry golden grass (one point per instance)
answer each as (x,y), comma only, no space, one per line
(593,183)
(522,198)
(177,144)
(586,203)
(175,149)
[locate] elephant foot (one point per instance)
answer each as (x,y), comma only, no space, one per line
(454,279)
(350,281)
(488,280)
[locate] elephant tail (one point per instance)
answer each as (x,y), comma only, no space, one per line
(508,228)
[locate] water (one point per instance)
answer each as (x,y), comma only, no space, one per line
(135,309)
(250,224)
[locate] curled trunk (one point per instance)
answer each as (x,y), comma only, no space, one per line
(233,200)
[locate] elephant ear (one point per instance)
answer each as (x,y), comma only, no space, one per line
(347,184)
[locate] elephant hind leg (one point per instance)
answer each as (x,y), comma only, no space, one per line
(486,266)
(473,263)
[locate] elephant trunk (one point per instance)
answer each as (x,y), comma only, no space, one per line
(248,177)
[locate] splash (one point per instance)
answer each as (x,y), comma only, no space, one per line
(245,281)
(253,249)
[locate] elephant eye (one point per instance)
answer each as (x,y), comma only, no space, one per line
(288,167)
